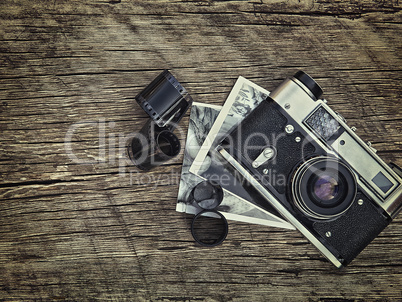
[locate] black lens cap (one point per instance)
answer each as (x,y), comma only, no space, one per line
(207,194)
(209,228)
(308,81)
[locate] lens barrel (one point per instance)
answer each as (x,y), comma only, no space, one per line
(323,188)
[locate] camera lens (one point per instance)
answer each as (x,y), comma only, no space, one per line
(323,188)
(326,187)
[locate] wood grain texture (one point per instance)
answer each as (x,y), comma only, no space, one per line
(88,232)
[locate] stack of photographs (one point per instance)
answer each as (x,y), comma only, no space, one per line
(208,125)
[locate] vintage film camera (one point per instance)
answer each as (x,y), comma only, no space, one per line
(335,190)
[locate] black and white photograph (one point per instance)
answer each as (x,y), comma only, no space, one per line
(208,164)
(243,98)
(202,117)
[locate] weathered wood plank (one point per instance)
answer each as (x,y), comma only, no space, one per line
(73,231)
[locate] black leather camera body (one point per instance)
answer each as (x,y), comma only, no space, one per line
(314,170)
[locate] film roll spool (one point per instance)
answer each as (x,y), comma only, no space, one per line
(209,227)
(165,101)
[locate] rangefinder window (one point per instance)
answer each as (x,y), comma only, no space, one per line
(323,123)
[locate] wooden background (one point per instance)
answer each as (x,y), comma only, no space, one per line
(104,231)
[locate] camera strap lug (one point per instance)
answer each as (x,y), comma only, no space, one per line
(341,117)
(396,169)
(371,147)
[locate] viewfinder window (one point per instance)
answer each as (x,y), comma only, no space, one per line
(382,182)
